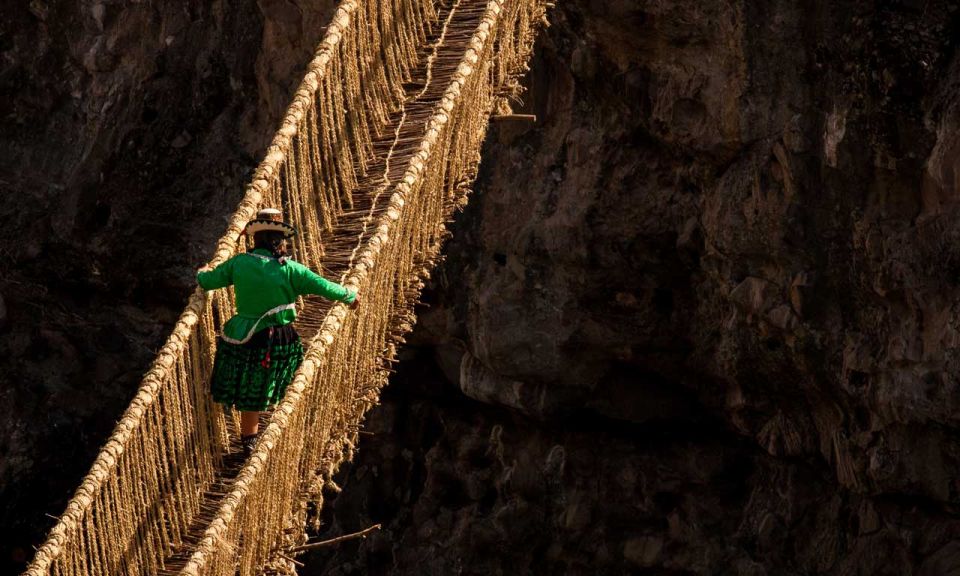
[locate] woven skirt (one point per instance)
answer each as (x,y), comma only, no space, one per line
(255,375)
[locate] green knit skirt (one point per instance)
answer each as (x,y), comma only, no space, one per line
(254,376)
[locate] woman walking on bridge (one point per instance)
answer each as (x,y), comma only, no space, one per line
(259,350)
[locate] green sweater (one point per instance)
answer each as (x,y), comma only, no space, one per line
(266,291)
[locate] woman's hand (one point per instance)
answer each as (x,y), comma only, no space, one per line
(356,302)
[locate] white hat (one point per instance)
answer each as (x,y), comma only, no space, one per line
(270,219)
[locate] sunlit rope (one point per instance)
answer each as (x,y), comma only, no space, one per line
(434,49)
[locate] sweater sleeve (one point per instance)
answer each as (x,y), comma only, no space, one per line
(306,281)
(219,277)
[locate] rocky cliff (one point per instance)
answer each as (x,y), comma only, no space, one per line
(698,319)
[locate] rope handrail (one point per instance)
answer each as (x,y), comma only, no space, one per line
(256,464)
(269,167)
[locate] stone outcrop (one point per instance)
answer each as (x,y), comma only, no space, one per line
(703,311)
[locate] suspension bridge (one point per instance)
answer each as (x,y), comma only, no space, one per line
(374,155)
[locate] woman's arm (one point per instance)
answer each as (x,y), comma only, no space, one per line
(306,281)
(219,277)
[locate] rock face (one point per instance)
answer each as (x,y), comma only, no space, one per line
(699,319)
(127,132)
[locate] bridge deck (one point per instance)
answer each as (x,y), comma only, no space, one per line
(398,142)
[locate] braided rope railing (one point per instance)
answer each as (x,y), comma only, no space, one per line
(145,487)
(314,429)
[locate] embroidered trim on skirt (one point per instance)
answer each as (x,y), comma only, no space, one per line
(255,375)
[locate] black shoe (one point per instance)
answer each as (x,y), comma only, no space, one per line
(248,443)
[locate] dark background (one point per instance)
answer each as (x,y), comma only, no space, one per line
(698,319)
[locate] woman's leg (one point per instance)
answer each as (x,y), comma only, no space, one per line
(249,423)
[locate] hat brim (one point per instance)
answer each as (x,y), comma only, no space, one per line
(255,226)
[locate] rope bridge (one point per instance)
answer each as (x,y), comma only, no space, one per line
(374,154)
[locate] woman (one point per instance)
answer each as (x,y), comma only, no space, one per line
(259,350)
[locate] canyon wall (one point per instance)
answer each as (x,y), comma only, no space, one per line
(698,319)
